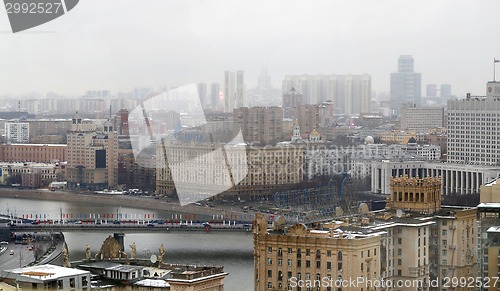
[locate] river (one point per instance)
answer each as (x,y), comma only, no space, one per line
(234,251)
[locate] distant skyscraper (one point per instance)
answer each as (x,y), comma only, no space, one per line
(405,84)
(445,91)
(233,90)
(17,132)
(350,94)
(214,95)
(202,93)
(431,90)
(264,79)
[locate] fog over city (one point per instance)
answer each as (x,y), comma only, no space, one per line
(120,44)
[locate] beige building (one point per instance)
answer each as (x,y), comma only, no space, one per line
(265,169)
(259,124)
(299,258)
(420,119)
(92,155)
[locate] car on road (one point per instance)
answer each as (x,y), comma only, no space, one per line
(78,222)
(183,224)
(116,222)
(30,248)
(151,225)
(4,243)
(11,252)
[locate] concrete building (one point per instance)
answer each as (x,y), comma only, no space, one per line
(234,90)
(350,94)
(259,124)
(299,258)
(214,95)
(92,155)
(37,153)
(48,277)
(266,168)
(308,118)
(420,119)
(456,178)
(406,87)
(48,127)
(474,128)
(17,132)
(291,101)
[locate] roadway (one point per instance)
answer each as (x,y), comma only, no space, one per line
(129,227)
(21,256)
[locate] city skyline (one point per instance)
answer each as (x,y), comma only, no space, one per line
(190,42)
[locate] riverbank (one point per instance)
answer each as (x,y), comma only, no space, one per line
(148,203)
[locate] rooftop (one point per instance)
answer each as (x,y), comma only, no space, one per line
(44,272)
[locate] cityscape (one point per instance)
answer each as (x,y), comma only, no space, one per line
(284,161)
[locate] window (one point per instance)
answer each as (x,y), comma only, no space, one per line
(269,285)
(400,252)
(72,283)
(308,264)
(400,240)
(328,265)
(318,264)
(280,261)
(289,250)
(269,250)
(289,262)
(308,252)
(269,273)
(280,252)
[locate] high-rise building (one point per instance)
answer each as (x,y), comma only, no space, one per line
(291,101)
(202,94)
(259,124)
(445,91)
(308,118)
(234,90)
(264,80)
(214,95)
(92,153)
(17,132)
(351,94)
(473,126)
(431,90)
(405,84)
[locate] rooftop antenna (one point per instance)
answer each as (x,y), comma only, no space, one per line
(494,73)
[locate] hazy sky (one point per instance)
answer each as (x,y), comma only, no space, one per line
(120,44)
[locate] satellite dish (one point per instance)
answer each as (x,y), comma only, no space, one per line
(153,259)
(399,213)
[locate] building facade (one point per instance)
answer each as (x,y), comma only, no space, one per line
(37,153)
(406,87)
(420,119)
(92,155)
(259,124)
(351,94)
(234,90)
(309,259)
(474,128)
(17,132)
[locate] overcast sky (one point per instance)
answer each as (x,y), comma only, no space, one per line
(121,44)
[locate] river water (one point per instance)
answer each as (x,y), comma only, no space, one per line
(234,251)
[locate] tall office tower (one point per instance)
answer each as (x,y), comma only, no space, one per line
(291,101)
(261,124)
(405,84)
(92,153)
(264,80)
(445,91)
(202,94)
(214,95)
(17,132)
(233,90)
(431,90)
(351,94)
(474,127)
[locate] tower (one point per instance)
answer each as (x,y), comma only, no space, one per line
(405,84)
(233,90)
